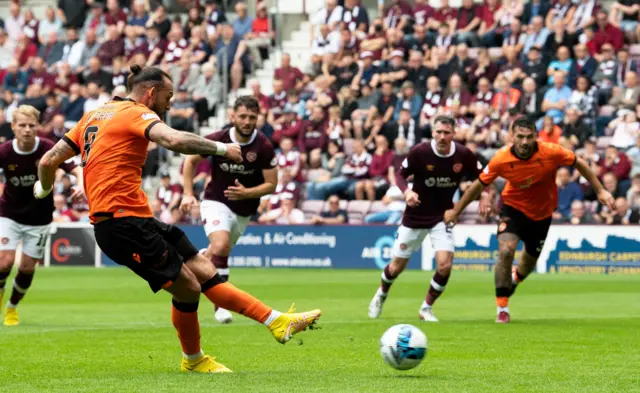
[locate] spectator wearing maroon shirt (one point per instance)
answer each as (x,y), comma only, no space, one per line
(176,48)
(153,48)
(132,41)
(292,77)
(457,94)
(38,75)
(115,16)
(26,50)
(289,159)
(483,96)
(355,16)
(62,213)
(169,194)
(313,138)
(488,32)
(468,23)
(444,14)
(276,101)
(397,15)
(617,163)
(483,68)
(422,12)
(63,79)
(112,47)
(378,182)
(606,33)
(95,20)
(287,126)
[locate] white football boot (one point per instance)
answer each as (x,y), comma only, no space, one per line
(375,307)
(223,316)
(426,314)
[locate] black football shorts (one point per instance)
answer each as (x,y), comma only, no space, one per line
(153,250)
(532,233)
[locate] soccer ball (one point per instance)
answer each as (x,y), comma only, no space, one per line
(403,347)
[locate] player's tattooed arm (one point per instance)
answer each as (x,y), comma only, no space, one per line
(188,172)
(187,143)
(49,163)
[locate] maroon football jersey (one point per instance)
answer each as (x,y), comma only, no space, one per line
(21,172)
(258,154)
(436,179)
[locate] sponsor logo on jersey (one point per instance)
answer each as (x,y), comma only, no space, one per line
(236,168)
(440,182)
(251,156)
(149,116)
(527,183)
(457,168)
(24,180)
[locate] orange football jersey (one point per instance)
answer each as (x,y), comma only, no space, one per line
(113,141)
(531,184)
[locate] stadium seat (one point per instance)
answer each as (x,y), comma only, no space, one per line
(495,53)
(377,206)
(358,209)
(348,146)
(634,50)
(311,208)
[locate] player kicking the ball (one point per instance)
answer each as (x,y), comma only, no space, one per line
(437,168)
(529,199)
(23,217)
(113,141)
(234,192)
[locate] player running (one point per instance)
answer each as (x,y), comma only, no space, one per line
(233,194)
(23,217)
(113,141)
(437,168)
(529,199)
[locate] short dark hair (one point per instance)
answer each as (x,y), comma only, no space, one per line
(525,123)
(248,102)
(446,120)
(149,76)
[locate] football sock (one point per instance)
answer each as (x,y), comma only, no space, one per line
(3,278)
(502,298)
(225,295)
(387,280)
(21,283)
(222,266)
(185,319)
(438,285)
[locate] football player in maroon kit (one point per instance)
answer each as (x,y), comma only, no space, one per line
(437,167)
(23,218)
(234,192)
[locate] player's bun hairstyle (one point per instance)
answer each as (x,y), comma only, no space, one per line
(523,122)
(149,76)
(446,120)
(27,111)
(248,102)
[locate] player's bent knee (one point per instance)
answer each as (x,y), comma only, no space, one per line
(7,259)
(398,264)
(28,264)
(506,253)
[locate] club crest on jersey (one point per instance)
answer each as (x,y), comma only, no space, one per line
(457,168)
(251,156)
(431,167)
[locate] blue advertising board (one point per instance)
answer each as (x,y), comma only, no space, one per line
(303,246)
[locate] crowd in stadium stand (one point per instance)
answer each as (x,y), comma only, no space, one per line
(343,126)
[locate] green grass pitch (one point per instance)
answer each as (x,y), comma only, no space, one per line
(102,330)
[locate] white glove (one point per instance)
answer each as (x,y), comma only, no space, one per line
(40,192)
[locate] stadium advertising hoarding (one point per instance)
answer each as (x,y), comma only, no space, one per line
(588,248)
(596,249)
(72,245)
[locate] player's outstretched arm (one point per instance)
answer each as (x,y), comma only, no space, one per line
(48,165)
(603,195)
(187,143)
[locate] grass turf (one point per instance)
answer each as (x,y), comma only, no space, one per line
(102,330)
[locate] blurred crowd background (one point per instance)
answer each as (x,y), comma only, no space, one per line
(372,80)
